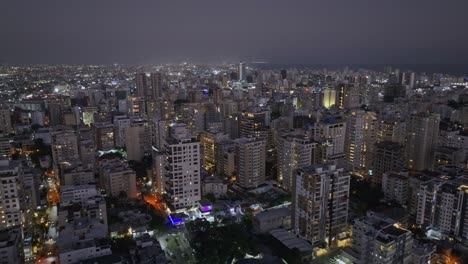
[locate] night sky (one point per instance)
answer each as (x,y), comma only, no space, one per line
(213,31)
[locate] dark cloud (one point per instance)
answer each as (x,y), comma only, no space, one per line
(309,31)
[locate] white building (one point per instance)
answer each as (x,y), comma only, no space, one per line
(117,177)
(75,252)
(70,194)
(182,168)
(215,186)
(11,191)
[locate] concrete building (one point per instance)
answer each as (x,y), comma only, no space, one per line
(392,130)
(395,187)
(182,168)
(388,156)
(5,119)
(254,123)
(225,157)
(208,142)
(293,152)
(75,252)
(5,148)
(121,122)
(64,147)
(11,188)
(379,240)
(215,186)
(70,194)
(421,141)
(250,161)
(159,170)
(142,85)
(330,133)
(320,203)
(156,86)
(77,175)
(360,139)
(270,219)
(11,246)
(117,177)
(138,140)
(104,136)
(442,205)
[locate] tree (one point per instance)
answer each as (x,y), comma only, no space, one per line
(218,244)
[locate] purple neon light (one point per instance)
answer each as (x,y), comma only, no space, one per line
(207,208)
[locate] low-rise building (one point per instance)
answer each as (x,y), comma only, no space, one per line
(272,219)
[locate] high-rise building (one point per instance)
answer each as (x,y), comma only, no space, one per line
(421,141)
(159,170)
(250,161)
(320,203)
(391,130)
(348,97)
(442,205)
(208,142)
(64,147)
(360,139)
(104,136)
(225,157)
(11,189)
(254,123)
(5,148)
(293,152)
(156,86)
(395,187)
(121,122)
(328,97)
(141,84)
(5,119)
(330,133)
(54,109)
(242,71)
(138,140)
(159,132)
(182,168)
(11,246)
(387,156)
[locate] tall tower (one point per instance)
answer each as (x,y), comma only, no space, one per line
(182,167)
(387,156)
(5,119)
(12,203)
(320,203)
(141,84)
(421,141)
(250,160)
(360,139)
(156,85)
(242,72)
(294,151)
